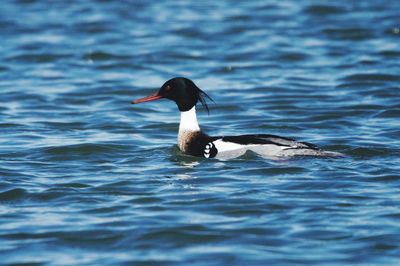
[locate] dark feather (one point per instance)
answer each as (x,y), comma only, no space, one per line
(202,96)
(268,139)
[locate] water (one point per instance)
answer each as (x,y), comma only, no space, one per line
(88,179)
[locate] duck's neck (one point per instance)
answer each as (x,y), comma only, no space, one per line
(189,121)
(188,129)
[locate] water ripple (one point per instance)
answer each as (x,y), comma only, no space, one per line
(87,178)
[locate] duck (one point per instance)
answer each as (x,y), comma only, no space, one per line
(193,141)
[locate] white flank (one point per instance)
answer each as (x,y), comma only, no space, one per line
(228,150)
(223,146)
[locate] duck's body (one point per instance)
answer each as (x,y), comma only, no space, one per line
(192,141)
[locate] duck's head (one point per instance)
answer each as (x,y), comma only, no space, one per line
(182,91)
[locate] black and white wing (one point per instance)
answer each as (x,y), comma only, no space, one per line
(265,145)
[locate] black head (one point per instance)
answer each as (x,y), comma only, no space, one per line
(182,91)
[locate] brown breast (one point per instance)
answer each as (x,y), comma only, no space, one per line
(185,138)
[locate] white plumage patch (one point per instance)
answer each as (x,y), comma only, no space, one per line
(223,146)
(228,150)
(189,121)
(207,149)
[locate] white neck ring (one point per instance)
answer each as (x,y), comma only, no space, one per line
(189,121)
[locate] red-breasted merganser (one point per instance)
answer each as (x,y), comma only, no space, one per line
(192,141)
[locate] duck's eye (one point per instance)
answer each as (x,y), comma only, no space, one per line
(167,88)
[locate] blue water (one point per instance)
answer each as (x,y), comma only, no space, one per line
(88,179)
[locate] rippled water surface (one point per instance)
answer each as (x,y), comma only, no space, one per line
(87,179)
